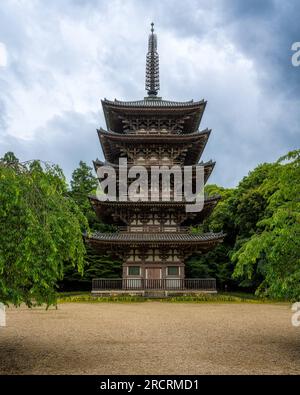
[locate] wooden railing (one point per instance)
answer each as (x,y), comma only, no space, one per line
(153,228)
(201,284)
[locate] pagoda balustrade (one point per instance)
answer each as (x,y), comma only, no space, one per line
(149,163)
(154,228)
(170,284)
(154,131)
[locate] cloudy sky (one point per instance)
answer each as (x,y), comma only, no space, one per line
(58,58)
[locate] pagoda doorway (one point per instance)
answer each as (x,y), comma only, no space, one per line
(153,276)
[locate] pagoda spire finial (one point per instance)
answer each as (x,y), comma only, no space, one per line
(152,65)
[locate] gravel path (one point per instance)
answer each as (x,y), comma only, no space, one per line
(151,338)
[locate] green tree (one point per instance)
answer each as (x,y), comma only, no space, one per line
(83,183)
(274,249)
(96,266)
(249,204)
(217,263)
(41,230)
(10,159)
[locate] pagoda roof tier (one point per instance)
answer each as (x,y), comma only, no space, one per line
(189,111)
(152,102)
(177,240)
(114,145)
(120,212)
(163,238)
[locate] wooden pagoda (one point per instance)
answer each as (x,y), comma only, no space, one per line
(153,237)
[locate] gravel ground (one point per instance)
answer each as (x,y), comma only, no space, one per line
(151,338)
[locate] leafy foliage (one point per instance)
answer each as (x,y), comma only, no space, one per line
(216,263)
(261,219)
(96,266)
(41,231)
(83,183)
(274,250)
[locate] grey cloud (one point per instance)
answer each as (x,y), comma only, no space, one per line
(64,140)
(249,125)
(3,116)
(256,8)
(266,30)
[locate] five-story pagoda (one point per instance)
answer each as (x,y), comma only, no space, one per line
(153,237)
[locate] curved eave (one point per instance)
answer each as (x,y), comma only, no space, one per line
(108,210)
(155,240)
(208,168)
(152,103)
(111,141)
(154,138)
(99,163)
(129,203)
(114,108)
